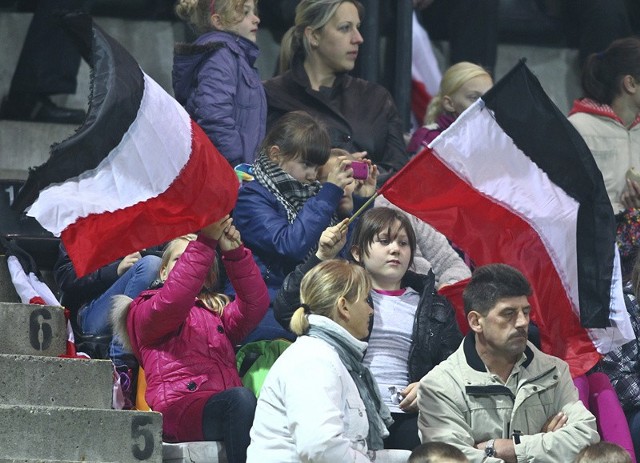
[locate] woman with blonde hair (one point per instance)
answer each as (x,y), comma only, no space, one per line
(317,54)
(183,333)
(461,85)
(319,403)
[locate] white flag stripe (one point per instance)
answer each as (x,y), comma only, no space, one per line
(501,171)
(424,65)
(130,173)
(498,169)
(29,286)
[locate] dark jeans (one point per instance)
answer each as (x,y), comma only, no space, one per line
(93,318)
(49,60)
(633,417)
(403,433)
(228,417)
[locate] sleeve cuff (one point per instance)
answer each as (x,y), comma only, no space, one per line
(235,254)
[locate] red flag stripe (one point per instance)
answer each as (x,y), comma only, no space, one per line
(130,173)
(203,192)
(435,202)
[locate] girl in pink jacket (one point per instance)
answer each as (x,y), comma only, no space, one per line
(184,333)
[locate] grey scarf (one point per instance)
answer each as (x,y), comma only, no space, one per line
(289,192)
(351,352)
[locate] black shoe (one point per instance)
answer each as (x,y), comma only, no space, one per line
(38,108)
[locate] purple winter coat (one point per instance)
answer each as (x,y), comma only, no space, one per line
(426,134)
(186,350)
(216,81)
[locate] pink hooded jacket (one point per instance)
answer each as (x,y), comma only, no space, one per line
(186,350)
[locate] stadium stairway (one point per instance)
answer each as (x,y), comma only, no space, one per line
(60,409)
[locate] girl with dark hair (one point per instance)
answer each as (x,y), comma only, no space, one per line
(608,118)
(282,214)
(413,328)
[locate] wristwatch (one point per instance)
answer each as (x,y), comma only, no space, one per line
(490,450)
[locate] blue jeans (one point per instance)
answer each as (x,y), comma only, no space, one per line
(228,417)
(93,318)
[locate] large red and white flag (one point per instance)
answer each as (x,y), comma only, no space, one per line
(137,173)
(512,181)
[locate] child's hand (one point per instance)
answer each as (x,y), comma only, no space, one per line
(630,197)
(332,240)
(127,262)
(216,229)
(230,239)
(342,174)
(410,402)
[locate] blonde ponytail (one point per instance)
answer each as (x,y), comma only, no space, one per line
(323,286)
(299,323)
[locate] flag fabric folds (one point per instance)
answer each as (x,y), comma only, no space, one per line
(30,288)
(511,181)
(425,72)
(137,173)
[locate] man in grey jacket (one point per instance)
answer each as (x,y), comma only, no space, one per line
(498,398)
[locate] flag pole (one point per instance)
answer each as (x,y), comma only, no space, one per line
(363,208)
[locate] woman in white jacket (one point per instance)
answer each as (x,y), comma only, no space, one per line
(318,402)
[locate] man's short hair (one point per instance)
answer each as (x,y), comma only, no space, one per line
(435,452)
(493,282)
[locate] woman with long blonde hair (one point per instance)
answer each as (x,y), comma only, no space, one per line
(183,334)
(319,403)
(317,55)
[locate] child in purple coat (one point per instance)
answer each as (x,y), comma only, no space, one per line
(214,78)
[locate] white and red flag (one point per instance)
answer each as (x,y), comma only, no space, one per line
(425,72)
(512,181)
(137,173)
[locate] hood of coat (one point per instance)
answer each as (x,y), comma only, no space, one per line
(118,316)
(187,58)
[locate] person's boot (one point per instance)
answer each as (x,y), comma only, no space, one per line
(33,107)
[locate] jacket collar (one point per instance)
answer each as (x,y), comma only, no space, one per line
(214,40)
(299,75)
(588,106)
(474,360)
(419,281)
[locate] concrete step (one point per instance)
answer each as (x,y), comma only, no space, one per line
(194,452)
(26,144)
(22,460)
(78,434)
(52,381)
(27,329)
